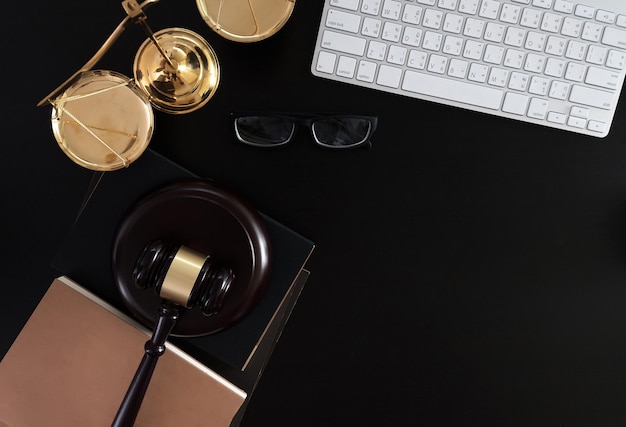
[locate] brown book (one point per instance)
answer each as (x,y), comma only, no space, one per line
(74,359)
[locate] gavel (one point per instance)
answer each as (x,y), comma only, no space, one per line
(183,278)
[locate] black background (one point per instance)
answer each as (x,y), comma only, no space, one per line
(469,270)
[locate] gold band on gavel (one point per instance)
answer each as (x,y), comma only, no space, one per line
(182,275)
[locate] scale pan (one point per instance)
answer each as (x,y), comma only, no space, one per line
(245,20)
(102,121)
(189,82)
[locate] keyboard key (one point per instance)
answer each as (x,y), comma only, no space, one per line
(371,7)
(515,103)
(592,32)
(468,6)
(391,9)
(441,87)
(571,27)
(437,64)
(556,117)
(343,21)
(537,108)
(605,16)
(396,55)
(514,37)
(559,90)
(494,32)
(473,49)
(579,112)
(544,4)
(591,97)
(596,126)
(345,4)
(494,54)
(412,36)
(555,45)
(554,67)
(575,71)
(614,37)
(452,45)
(489,9)
(366,71)
(474,28)
(576,122)
(498,77)
(616,59)
(447,4)
(530,18)
(432,19)
(575,50)
(584,11)
(514,58)
(564,6)
(343,43)
(371,27)
(326,62)
(458,68)
(417,59)
(346,67)
(519,81)
(478,73)
(389,76)
(432,41)
(601,77)
(510,13)
(596,55)
(376,50)
(539,86)
(453,23)
(534,63)
(551,22)
(412,14)
(391,32)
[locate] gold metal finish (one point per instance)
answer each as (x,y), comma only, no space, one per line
(181,276)
(245,20)
(102,121)
(99,54)
(189,82)
(134,10)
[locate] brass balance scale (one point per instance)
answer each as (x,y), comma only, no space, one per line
(104,120)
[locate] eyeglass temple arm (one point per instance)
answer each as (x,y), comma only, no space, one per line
(130,17)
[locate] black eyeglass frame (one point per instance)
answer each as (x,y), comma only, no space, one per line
(307,120)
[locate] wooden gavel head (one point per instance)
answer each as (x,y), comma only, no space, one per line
(183,276)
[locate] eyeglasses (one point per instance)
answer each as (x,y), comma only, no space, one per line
(329,131)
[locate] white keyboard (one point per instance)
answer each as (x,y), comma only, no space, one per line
(556,63)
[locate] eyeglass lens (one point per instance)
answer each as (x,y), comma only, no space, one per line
(264,130)
(341,132)
(330,132)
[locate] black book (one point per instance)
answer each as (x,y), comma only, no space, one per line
(86,254)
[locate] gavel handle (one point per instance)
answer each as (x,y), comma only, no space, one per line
(154,348)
